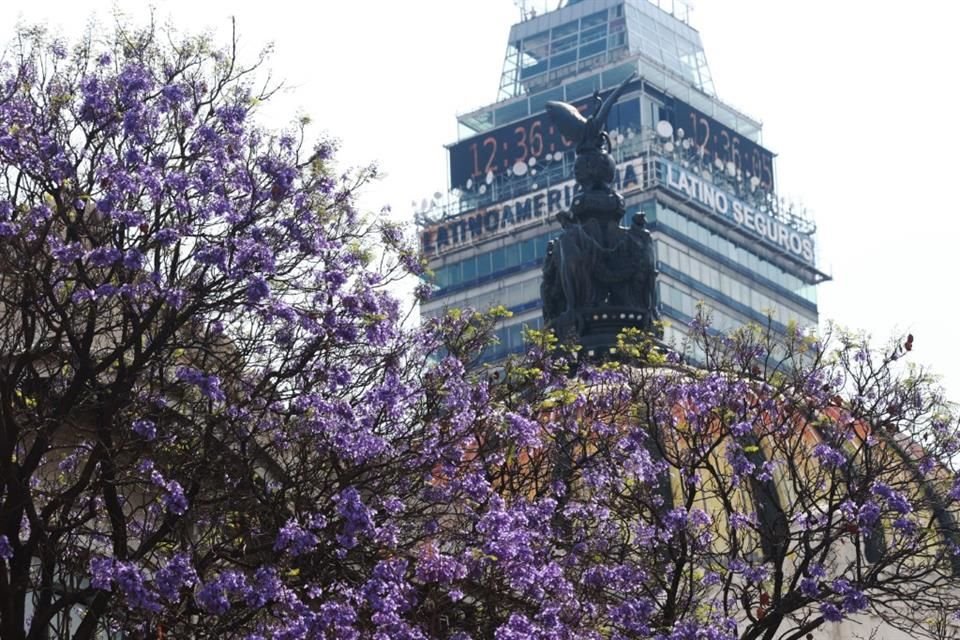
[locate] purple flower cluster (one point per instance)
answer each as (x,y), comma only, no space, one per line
(178,574)
(295,539)
(145,428)
(356,516)
(215,596)
(894,499)
(434,566)
(174,499)
(828,456)
(209,385)
(129,580)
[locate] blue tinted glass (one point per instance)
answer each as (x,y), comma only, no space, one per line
(594,19)
(483,264)
(595,33)
(527,251)
(443,277)
(649,208)
(499,260)
(516,110)
(563,59)
(537,101)
(469,269)
(593,49)
(528,72)
(583,87)
(540,246)
(564,30)
(512,255)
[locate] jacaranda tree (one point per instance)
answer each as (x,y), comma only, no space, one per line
(215,424)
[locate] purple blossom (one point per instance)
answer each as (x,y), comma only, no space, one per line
(809,587)
(175,576)
(133,260)
(251,256)
(906,526)
(954,493)
(166,237)
(101,573)
(387,591)
(175,500)
(831,612)
(257,289)
(294,539)
(6,550)
(266,587)
(173,94)
(433,566)
(103,256)
(145,428)
(828,456)
(739,521)
(357,518)
(869,514)
(209,385)
(133,80)
(214,598)
(741,429)
(129,579)
(895,500)
(66,253)
(215,255)
(524,431)
(132,582)
(756,575)
(854,601)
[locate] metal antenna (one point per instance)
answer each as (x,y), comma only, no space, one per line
(522,5)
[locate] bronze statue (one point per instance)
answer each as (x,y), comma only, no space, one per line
(598,277)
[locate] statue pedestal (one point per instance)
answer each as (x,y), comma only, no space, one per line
(596,329)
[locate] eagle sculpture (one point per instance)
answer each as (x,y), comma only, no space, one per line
(587,133)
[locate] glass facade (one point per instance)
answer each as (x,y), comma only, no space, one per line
(573,47)
(543,53)
(705,260)
(487,265)
(516,297)
(719,247)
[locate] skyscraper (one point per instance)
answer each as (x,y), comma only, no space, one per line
(694,165)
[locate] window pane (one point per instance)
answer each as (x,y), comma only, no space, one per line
(540,246)
(593,48)
(511,255)
(527,252)
(536,46)
(442,277)
(596,33)
(593,20)
(483,265)
(469,269)
(563,59)
(565,30)
(499,260)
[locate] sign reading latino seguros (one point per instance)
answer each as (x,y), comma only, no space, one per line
(513,215)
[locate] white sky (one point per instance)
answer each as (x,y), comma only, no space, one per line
(858,98)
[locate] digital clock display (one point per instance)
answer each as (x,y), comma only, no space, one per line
(538,137)
(718,142)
